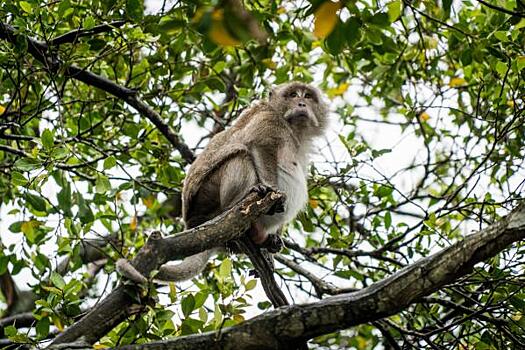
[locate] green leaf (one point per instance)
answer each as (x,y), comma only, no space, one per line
(62,7)
(501,68)
(388,220)
(379,153)
(200,298)
(394,10)
(226,268)
(64,199)
(250,285)
(446,6)
(42,328)
(336,40)
(57,280)
(4,260)
(89,22)
(520,61)
(37,202)
(187,305)
(135,9)
(501,35)
(18,179)
(384,191)
(16,227)
(84,211)
(47,139)
(380,19)
(110,162)
(102,184)
(352,30)
(27,164)
(27,7)
(520,24)
(10,331)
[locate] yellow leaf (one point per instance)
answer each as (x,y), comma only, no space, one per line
(455,82)
(269,63)
(28,226)
(149,201)
(424,116)
(510,104)
(361,343)
(325,18)
(58,323)
(2,109)
(313,203)
(218,32)
(100,346)
(133,223)
(281,10)
(238,318)
(339,90)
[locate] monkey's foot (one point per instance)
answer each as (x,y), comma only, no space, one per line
(273,243)
(262,190)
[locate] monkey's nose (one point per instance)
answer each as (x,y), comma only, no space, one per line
(302,104)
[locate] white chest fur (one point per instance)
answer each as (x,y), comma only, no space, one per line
(292,181)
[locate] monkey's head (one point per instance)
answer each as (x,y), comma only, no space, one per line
(301,105)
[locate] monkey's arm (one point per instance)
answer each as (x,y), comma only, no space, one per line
(265,164)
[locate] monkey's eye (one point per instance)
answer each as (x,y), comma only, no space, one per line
(293,95)
(308,95)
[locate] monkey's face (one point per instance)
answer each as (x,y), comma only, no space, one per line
(301,105)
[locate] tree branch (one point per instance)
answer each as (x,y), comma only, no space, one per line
(321,286)
(39,50)
(73,35)
(126,300)
(502,9)
(282,328)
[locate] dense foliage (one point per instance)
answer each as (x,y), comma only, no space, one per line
(426,145)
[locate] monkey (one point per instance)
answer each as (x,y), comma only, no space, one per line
(266,149)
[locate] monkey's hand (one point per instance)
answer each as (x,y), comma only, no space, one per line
(262,190)
(273,243)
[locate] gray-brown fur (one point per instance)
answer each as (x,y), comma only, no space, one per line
(263,136)
(268,145)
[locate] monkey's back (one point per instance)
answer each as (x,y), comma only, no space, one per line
(225,163)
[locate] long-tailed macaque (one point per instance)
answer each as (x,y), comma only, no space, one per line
(267,148)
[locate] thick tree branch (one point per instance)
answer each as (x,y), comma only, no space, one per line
(120,304)
(282,328)
(39,50)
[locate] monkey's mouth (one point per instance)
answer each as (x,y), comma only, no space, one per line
(301,115)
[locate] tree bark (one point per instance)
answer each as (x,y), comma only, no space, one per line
(284,327)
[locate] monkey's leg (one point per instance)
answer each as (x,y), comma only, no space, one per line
(257,233)
(272,242)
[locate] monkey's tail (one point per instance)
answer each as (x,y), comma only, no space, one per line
(187,268)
